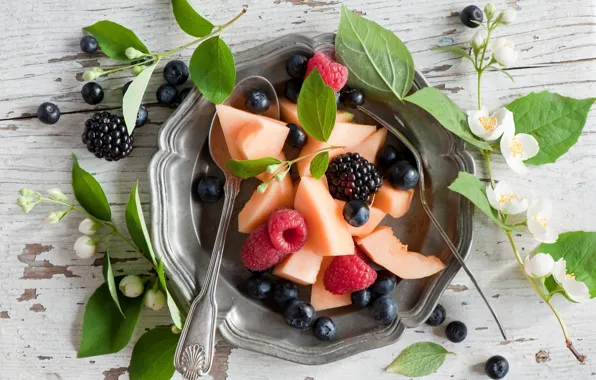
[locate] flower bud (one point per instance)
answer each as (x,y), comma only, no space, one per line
(272,168)
(138,69)
(132,53)
(478,40)
(176,330)
(489,10)
(57,195)
(25,192)
(280,176)
(263,187)
(131,286)
(85,247)
(89,227)
(508,16)
(155,299)
(54,217)
(26,203)
(28,207)
(504,52)
(92,74)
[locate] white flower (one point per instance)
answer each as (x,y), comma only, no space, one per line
(490,127)
(54,217)
(478,40)
(505,199)
(576,290)
(518,148)
(155,299)
(132,53)
(57,195)
(508,16)
(489,10)
(89,227)
(540,265)
(131,286)
(85,247)
(92,74)
(504,52)
(539,221)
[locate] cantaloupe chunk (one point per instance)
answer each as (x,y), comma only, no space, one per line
(328,234)
(300,267)
(289,113)
(392,201)
(371,146)
(386,250)
(321,298)
(232,121)
(376,216)
(264,137)
(260,205)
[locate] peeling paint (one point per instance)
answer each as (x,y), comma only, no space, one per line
(449,32)
(309,378)
(452,90)
(9,127)
(44,357)
(481,328)
(58,80)
(79,77)
(308,2)
(114,373)
(40,269)
(542,356)
(220,360)
(520,340)
(37,308)
(457,288)
(99,262)
(4,315)
(497,295)
(28,294)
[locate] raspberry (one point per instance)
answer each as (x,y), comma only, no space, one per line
(287,230)
(335,75)
(257,251)
(347,274)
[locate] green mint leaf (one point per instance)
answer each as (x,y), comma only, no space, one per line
(153,355)
(172,306)
(317,107)
(555,121)
(114,39)
(189,20)
(419,359)
(108,276)
(134,97)
(89,193)
(577,248)
(377,59)
(470,187)
(447,113)
(105,329)
(251,168)
(455,49)
(135,222)
(319,165)
(212,70)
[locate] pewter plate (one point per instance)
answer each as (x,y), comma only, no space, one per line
(183,230)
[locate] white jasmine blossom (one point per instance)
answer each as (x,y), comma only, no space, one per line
(504,198)
(57,195)
(155,299)
(85,247)
(576,290)
(516,148)
(478,40)
(539,221)
(490,127)
(504,52)
(131,286)
(508,16)
(88,227)
(538,266)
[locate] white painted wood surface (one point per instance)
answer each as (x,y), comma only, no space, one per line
(43,285)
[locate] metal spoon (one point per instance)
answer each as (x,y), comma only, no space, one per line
(195,351)
(429,212)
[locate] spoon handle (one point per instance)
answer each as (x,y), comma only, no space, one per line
(194,354)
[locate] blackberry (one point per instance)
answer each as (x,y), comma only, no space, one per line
(106,136)
(352,177)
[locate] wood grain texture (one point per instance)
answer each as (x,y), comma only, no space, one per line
(43,285)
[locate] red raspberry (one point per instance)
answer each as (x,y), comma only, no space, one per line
(335,75)
(347,274)
(287,230)
(257,251)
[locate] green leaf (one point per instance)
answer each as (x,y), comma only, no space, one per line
(134,97)
(251,168)
(317,107)
(89,193)
(577,248)
(114,39)
(447,113)
(504,72)
(135,222)
(105,329)
(555,121)
(455,49)
(419,359)
(212,70)
(108,276)
(470,187)
(189,20)
(378,61)
(172,306)
(319,165)
(153,355)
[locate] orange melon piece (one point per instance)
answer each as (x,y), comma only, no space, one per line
(376,216)
(386,250)
(300,267)
(260,205)
(264,137)
(321,298)
(392,201)
(232,121)
(371,146)
(289,113)
(328,234)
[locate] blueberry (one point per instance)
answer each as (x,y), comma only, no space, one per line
(92,93)
(166,94)
(437,317)
(293,87)
(257,102)
(285,292)
(324,328)
(352,97)
(296,66)
(470,14)
(48,113)
(356,213)
(383,310)
(175,72)
(385,282)
(403,175)
(183,94)
(209,189)
(258,287)
(456,331)
(89,44)
(387,156)
(361,298)
(296,138)
(125,88)
(299,314)
(142,116)
(496,367)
